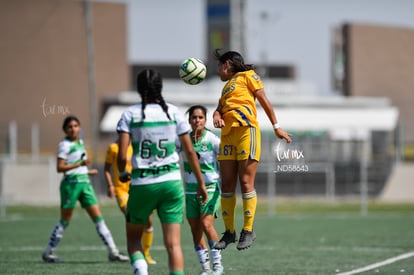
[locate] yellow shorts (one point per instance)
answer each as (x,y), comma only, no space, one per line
(121,194)
(240,144)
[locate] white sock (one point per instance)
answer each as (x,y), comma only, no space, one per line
(203,258)
(106,236)
(216,257)
(140,267)
(55,237)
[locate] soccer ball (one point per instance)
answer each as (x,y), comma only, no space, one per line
(192,71)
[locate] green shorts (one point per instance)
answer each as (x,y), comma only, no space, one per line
(71,192)
(194,209)
(166,197)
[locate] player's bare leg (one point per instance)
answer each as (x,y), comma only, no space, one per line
(172,242)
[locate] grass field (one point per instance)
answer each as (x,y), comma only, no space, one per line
(302,238)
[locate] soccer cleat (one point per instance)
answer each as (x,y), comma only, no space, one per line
(226,240)
(246,239)
(50,257)
(218,270)
(150,260)
(205,272)
(117,257)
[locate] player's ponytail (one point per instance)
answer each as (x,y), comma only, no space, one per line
(142,88)
(164,106)
(149,86)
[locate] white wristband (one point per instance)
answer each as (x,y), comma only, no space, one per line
(276,126)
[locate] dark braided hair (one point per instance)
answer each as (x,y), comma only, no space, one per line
(149,86)
(236,59)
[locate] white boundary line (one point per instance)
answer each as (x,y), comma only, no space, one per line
(375,265)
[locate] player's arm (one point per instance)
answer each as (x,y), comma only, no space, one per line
(195,166)
(92,172)
(123,143)
(267,107)
(108,179)
(218,121)
(62,166)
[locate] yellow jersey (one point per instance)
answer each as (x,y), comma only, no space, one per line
(111,157)
(237,101)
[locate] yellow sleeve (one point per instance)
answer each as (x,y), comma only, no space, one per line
(253,81)
(111,154)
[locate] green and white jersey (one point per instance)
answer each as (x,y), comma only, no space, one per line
(73,152)
(207,148)
(154,158)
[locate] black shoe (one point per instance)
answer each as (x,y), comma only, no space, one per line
(246,239)
(226,240)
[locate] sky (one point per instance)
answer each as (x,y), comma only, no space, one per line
(300,31)
(294,32)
